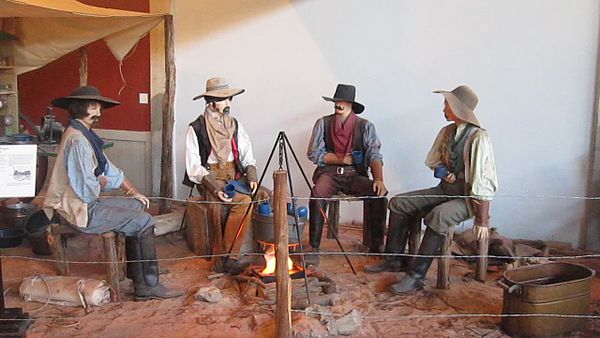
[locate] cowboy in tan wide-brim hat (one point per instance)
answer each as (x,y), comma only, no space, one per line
(462,101)
(219,88)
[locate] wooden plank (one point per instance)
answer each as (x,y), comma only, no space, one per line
(443,280)
(283,310)
(414,238)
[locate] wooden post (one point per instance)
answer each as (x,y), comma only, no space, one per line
(110,253)
(58,250)
(166,161)
(83,66)
(283,311)
(482,261)
(443,280)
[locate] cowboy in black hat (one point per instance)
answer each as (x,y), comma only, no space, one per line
(82,172)
(462,159)
(344,147)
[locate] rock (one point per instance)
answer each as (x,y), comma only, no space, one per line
(307,327)
(346,325)
(210,294)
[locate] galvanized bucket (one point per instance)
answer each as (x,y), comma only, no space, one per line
(552,288)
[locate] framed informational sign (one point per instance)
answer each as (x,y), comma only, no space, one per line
(17,170)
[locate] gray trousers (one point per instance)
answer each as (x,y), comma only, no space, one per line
(123,215)
(438,212)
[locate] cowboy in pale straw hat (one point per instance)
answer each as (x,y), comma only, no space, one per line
(462,158)
(82,172)
(218,152)
(344,147)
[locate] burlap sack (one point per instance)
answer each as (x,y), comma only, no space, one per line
(65,290)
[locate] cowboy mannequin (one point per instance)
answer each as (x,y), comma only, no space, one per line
(218,150)
(344,147)
(463,160)
(82,172)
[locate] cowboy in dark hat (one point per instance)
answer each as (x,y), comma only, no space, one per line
(344,147)
(462,158)
(218,151)
(82,172)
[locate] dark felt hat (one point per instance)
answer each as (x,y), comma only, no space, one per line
(347,93)
(84,93)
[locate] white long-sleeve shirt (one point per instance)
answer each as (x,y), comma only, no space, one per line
(480,168)
(193,163)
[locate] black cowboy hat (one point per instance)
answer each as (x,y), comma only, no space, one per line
(84,93)
(347,93)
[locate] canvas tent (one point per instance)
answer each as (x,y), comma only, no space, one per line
(47,30)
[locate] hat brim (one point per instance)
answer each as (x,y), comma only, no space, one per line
(65,102)
(458,108)
(356,107)
(221,93)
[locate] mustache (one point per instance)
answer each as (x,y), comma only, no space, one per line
(338,107)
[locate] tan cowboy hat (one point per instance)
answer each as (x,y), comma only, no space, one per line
(462,101)
(218,87)
(84,93)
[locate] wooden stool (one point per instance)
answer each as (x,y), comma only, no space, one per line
(204,232)
(333,214)
(443,273)
(114,252)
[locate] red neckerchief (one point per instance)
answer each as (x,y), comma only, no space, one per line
(341,134)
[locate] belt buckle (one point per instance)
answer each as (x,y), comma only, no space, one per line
(339,170)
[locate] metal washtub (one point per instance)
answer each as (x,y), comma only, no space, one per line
(552,288)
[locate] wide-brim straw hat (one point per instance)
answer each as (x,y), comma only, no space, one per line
(462,101)
(84,93)
(218,87)
(344,92)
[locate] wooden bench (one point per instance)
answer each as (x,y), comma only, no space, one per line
(114,252)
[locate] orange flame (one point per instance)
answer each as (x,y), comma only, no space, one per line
(271,262)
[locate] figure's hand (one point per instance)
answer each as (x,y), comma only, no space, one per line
(481,232)
(450,178)
(103,181)
(347,159)
(143,199)
(224,197)
(253,186)
(379,188)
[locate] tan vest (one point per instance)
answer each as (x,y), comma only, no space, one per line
(60,195)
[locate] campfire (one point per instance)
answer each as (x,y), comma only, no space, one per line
(267,274)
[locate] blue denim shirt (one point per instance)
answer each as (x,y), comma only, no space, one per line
(316,146)
(79,160)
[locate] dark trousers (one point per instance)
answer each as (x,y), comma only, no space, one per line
(327,183)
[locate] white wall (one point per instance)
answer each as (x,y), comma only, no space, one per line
(533,64)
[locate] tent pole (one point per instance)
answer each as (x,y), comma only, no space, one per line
(166,163)
(83,66)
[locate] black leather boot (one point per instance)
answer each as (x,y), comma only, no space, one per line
(397,236)
(376,212)
(414,279)
(315,232)
(144,272)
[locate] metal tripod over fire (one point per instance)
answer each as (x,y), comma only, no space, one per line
(282,143)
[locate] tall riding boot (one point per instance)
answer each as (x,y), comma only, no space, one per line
(316,229)
(135,271)
(375,219)
(431,245)
(397,236)
(145,273)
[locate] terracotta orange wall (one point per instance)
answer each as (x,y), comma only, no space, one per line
(37,88)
